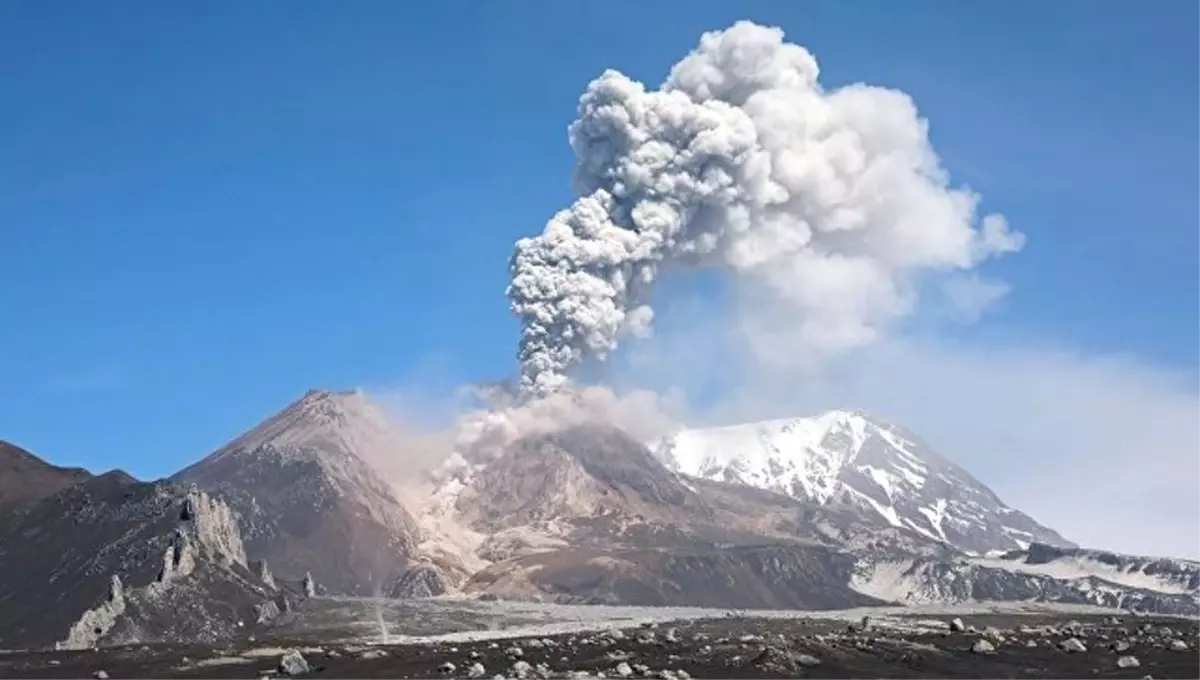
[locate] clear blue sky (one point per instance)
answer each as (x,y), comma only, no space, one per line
(207,208)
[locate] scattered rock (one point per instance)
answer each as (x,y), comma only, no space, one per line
(293,663)
(623,669)
(780,661)
(982,646)
(1072,645)
(520,669)
(100,675)
(807,660)
(372,654)
(446,668)
(1178,646)
(957,626)
(515,652)
(1119,646)
(1128,662)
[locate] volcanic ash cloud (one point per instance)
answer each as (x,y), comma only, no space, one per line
(830,205)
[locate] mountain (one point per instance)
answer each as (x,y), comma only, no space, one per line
(308,501)
(848,459)
(1041,573)
(111,560)
(26,479)
(588,514)
(809,513)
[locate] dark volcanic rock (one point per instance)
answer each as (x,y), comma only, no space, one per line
(730,647)
(114,557)
(26,479)
(307,499)
(762,577)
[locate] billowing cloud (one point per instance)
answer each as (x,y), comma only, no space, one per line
(831,203)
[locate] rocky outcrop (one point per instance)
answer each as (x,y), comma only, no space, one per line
(97,621)
(113,558)
(420,581)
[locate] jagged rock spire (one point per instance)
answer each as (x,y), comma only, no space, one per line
(265,575)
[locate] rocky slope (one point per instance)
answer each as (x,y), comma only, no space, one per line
(770,576)
(26,479)
(307,500)
(843,458)
(111,559)
(581,514)
(1073,577)
(588,514)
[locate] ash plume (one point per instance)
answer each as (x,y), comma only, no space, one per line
(831,204)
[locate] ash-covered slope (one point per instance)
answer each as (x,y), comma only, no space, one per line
(582,473)
(26,479)
(309,502)
(111,560)
(588,514)
(848,459)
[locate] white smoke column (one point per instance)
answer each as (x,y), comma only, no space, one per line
(832,203)
(486,433)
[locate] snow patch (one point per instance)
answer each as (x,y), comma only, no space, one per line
(1079,567)
(936,515)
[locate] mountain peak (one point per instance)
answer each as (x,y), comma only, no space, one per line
(320,423)
(316,396)
(304,483)
(850,458)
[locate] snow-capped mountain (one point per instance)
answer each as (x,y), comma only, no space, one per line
(309,499)
(846,458)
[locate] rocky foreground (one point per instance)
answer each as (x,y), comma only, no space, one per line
(983,645)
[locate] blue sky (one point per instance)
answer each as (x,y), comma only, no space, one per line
(208,208)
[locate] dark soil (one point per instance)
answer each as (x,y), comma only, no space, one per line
(713,648)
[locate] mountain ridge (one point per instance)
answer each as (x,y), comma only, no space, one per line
(849,458)
(25,478)
(584,513)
